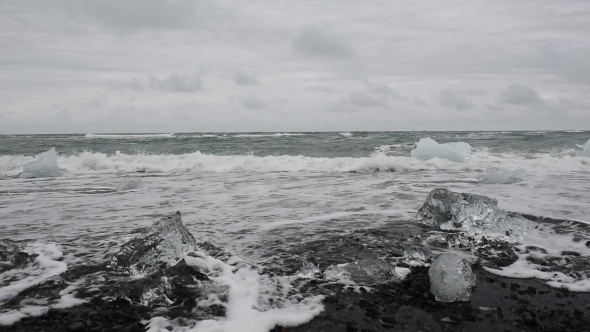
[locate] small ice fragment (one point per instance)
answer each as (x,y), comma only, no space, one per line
(427,148)
(308,271)
(44,166)
(163,244)
(12,255)
(451,278)
(503,177)
(414,255)
(586,151)
(371,271)
(336,273)
(131,185)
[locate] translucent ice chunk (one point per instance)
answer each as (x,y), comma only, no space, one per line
(162,245)
(504,177)
(12,255)
(131,185)
(414,255)
(365,272)
(371,271)
(336,273)
(478,216)
(309,271)
(451,278)
(586,151)
(44,166)
(427,148)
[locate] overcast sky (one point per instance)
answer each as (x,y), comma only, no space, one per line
(285,65)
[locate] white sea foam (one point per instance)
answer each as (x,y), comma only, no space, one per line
(586,151)
(269,135)
(46,265)
(255,302)
(129,136)
(88,162)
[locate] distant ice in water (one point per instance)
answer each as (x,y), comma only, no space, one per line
(476,215)
(427,148)
(346,134)
(131,185)
(504,177)
(451,278)
(163,244)
(586,151)
(44,166)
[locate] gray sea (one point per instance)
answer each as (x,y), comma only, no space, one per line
(264,196)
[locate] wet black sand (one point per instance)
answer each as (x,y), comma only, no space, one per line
(497,304)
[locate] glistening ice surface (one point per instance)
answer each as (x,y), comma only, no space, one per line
(272,202)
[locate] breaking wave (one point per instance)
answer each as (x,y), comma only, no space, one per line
(91,162)
(129,136)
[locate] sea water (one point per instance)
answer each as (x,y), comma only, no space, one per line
(266,198)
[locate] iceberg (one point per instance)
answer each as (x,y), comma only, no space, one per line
(44,166)
(504,177)
(131,185)
(414,255)
(586,151)
(164,244)
(478,216)
(451,278)
(427,148)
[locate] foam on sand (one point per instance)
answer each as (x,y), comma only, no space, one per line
(44,166)
(255,302)
(427,148)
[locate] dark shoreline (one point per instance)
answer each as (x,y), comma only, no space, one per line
(497,304)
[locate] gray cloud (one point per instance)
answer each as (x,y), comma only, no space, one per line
(133,14)
(315,41)
(177,83)
(126,85)
(252,102)
(518,94)
(241,78)
(367,58)
(452,99)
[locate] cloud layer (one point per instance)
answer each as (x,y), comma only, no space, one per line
(228,65)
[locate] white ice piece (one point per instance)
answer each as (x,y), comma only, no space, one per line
(44,166)
(451,278)
(427,148)
(308,271)
(414,255)
(504,177)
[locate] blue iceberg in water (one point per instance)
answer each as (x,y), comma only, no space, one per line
(586,151)
(44,166)
(427,148)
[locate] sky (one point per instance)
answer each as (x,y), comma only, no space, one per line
(100,66)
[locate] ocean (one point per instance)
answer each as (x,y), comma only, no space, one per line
(275,201)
